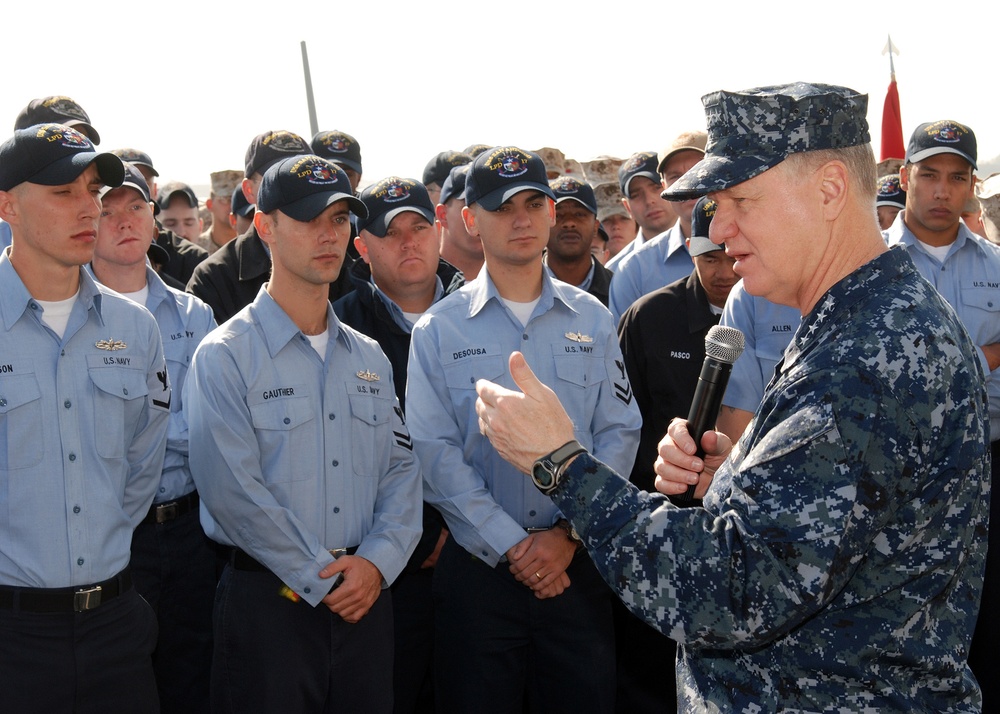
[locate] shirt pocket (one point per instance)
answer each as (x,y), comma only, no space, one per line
(980,313)
(285,434)
(371,418)
(485,362)
(797,477)
(20,421)
(580,376)
(119,397)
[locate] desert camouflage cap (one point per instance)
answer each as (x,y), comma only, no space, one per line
(754,130)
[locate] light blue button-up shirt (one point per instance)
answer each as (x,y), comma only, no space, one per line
(84,425)
(294,455)
(184,320)
(655,264)
(969,280)
(767,328)
(570,343)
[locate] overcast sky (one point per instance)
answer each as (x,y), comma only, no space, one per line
(192,83)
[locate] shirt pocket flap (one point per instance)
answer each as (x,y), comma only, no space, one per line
(121,382)
(18,390)
(371,408)
(464,373)
(280,413)
(795,432)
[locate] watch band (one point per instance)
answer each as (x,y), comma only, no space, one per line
(552,465)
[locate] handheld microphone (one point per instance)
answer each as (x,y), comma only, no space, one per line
(723,346)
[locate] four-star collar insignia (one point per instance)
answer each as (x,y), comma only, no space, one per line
(110,345)
(368,376)
(579,337)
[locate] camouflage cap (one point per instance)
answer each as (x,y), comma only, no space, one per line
(754,130)
(701,219)
(225,182)
(890,193)
(602,169)
(988,187)
(609,200)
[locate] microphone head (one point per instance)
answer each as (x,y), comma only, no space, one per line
(724,344)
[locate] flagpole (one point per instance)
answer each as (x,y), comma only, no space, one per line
(892,123)
(313,122)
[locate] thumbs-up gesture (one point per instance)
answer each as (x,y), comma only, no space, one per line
(525,425)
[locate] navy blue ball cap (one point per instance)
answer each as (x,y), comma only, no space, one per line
(57,110)
(176,188)
(641,163)
(499,173)
(438,168)
(454,185)
(754,130)
(942,137)
(567,188)
(53,155)
(890,192)
(271,147)
(701,219)
(391,196)
(133,179)
(134,156)
(239,205)
(339,147)
(303,186)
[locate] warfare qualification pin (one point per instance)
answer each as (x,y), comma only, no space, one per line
(110,345)
(579,337)
(368,376)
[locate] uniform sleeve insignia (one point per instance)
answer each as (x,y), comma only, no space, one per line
(110,345)
(579,337)
(401,433)
(623,389)
(368,375)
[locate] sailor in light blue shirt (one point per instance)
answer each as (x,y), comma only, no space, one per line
(84,403)
(85,419)
(469,336)
(655,264)
(302,459)
(295,454)
(173,563)
(768,328)
(526,576)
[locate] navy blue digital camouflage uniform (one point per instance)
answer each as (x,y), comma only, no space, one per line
(837,562)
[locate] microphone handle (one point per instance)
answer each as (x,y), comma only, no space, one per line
(705,407)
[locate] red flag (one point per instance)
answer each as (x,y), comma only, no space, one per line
(892,125)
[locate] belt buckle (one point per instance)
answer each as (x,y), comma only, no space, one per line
(87,599)
(166,512)
(338,552)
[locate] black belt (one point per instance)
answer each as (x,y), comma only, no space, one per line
(241,560)
(73,599)
(164,512)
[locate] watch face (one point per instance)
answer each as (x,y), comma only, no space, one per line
(542,474)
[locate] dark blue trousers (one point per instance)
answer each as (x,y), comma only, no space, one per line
(498,648)
(173,566)
(275,655)
(83,662)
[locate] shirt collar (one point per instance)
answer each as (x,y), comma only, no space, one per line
(483,290)
(899,233)
(278,329)
(15,298)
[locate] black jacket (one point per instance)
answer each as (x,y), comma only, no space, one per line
(185,256)
(662,337)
